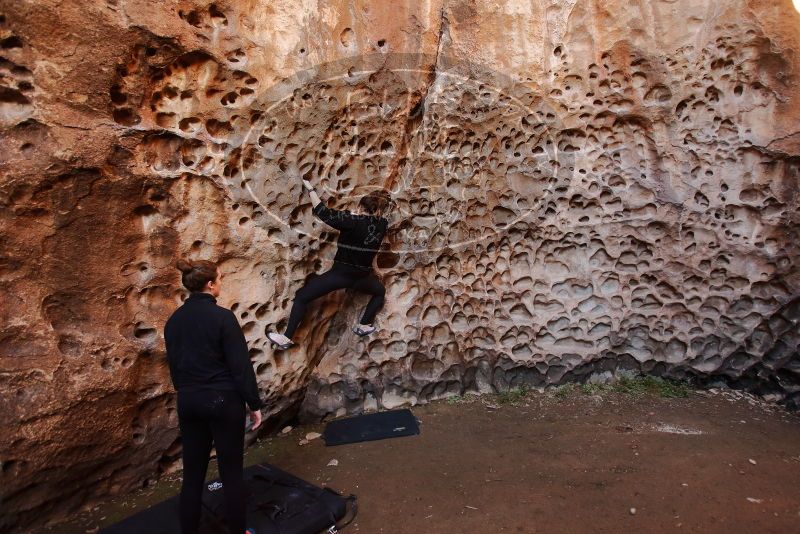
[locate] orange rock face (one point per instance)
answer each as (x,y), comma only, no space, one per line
(580,187)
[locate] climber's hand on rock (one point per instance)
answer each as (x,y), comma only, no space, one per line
(308,185)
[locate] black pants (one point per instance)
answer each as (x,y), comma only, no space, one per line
(340,276)
(205,417)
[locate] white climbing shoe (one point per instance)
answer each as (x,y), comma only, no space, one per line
(363,329)
(280,341)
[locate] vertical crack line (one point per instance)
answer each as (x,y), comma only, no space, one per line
(415,113)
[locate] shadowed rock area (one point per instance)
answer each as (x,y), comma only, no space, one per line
(580,187)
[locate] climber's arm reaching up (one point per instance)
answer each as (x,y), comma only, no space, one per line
(315,200)
(341,220)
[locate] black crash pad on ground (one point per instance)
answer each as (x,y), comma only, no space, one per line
(161,518)
(277,503)
(370,427)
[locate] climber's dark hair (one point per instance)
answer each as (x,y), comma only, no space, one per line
(197,273)
(375,202)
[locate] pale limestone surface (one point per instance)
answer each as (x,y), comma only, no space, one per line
(581,186)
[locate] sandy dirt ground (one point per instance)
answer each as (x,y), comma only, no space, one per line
(551,463)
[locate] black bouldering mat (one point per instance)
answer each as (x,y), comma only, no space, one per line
(280,503)
(277,503)
(370,427)
(161,518)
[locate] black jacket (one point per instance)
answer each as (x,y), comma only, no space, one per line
(206,349)
(360,236)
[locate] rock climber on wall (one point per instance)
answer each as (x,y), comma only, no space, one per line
(360,236)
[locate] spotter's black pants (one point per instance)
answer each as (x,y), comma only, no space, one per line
(204,417)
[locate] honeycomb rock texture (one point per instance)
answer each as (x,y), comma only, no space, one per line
(580,187)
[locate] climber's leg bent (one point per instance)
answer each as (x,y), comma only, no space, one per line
(315,288)
(372,286)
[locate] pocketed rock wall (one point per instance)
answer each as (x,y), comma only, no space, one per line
(580,187)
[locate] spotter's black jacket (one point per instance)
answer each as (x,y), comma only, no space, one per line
(206,349)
